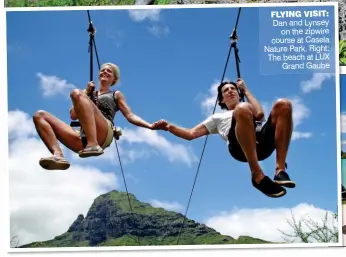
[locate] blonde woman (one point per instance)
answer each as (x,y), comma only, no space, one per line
(96,120)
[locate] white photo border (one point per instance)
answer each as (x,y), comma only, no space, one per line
(4,177)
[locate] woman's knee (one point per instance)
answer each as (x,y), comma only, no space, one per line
(243,110)
(76,94)
(40,115)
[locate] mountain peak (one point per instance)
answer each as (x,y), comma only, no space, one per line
(109,222)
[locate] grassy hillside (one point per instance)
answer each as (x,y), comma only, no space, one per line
(109,223)
(48,3)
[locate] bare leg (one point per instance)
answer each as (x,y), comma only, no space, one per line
(283,123)
(245,133)
(51,129)
(246,137)
(90,117)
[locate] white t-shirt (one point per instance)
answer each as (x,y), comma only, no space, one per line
(219,123)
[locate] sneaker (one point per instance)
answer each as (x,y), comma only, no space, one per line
(269,188)
(283,179)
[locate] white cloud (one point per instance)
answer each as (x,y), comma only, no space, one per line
(172,151)
(343,122)
(209,99)
(133,154)
(20,125)
(170,206)
(141,15)
(152,15)
(300,135)
(127,154)
(149,143)
(115,35)
(300,111)
(52,85)
(315,83)
(266,223)
(43,204)
(159,31)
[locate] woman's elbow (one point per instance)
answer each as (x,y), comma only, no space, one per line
(130,118)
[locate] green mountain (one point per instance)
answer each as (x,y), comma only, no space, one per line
(109,223)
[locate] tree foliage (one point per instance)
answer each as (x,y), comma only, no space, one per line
(309,231)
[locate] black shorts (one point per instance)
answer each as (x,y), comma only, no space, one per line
(265,138)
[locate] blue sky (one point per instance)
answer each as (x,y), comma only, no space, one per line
(169,61)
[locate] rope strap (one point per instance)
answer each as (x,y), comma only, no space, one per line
(234,38)
(116,131)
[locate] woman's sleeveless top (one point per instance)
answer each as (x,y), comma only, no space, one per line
(107,105)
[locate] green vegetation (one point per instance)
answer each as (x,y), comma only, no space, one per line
(310,231)
(162,2)
(48,3)
(343,155)
(342,52)
(110,223)
(121,201)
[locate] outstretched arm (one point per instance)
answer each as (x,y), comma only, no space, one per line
(185,133)
(188,134)
(128,114)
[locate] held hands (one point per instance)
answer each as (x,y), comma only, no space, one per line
(160,125)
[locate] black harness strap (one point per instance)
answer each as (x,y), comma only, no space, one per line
(234,39)
(92,31)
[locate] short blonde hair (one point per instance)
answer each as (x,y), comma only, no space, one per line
(115,70)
